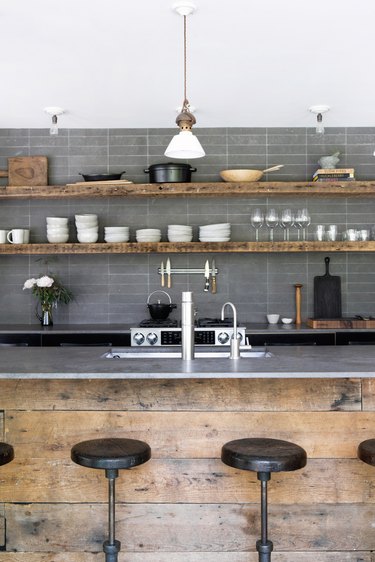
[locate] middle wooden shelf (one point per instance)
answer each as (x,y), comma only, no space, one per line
(185,247)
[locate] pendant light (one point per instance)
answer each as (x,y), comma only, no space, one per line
(319,110)
(54,111)
(185,144)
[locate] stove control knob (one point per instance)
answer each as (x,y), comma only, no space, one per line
(152,338)
(223,337)
(139,338)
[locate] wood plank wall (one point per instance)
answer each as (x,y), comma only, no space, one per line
(185,505)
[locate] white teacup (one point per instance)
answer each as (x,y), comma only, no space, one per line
(18,236)
(3,236)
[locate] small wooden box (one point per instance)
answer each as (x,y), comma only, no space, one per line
(28,170)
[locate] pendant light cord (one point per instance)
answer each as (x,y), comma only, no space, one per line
(185,57)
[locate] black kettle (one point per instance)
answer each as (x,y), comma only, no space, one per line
(159,310)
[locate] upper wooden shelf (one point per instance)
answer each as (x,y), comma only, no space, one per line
(212,189)
(186,247)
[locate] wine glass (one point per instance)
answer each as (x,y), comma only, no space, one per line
(298,220)
(286,221)
(304,221)
(257,219)
(272,220)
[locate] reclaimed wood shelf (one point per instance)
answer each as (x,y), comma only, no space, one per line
(186,247)
(210,189)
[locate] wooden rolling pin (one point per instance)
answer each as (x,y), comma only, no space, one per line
(3,173)
(298,288)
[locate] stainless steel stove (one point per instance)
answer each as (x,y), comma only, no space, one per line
(207,331)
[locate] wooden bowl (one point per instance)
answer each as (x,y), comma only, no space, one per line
(241,175)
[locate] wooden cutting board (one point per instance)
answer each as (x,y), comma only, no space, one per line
(327,294)
(28,170)
(340,323)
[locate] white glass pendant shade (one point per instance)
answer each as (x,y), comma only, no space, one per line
(184,145)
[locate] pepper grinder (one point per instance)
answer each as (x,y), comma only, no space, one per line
(298,287)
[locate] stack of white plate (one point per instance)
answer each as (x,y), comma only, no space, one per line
(87,228)
(57,230)
(215,232)
(148,235)
(116,234)
(180,233)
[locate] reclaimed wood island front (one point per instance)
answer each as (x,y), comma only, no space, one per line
(185,504)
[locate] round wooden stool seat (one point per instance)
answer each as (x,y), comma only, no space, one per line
(6,453)
(263,455)
(111,454)
(366,451)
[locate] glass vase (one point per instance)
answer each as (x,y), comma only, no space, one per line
(45,316)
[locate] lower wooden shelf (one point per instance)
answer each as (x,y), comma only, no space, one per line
(185,247)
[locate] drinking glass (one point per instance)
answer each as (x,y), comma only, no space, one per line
(286,221)
(272,220)
(257,219)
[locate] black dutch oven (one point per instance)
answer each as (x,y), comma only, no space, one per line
(159,310)
(101,177)
(170,172)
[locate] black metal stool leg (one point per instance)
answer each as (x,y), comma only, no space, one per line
(111,546)
(264,546)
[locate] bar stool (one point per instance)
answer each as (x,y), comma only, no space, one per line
(263,456)
(6,453)
(366,451)
(111,455)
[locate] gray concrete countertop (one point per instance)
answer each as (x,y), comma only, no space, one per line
(286,362)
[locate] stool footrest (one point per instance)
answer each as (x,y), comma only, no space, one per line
(111,550)
(264,550)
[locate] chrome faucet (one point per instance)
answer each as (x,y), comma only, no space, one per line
(235,339)
(187,326)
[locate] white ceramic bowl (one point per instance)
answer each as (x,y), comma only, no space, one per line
(57,230)
(180,238)
(116,229)
(148,231)
(87,238)
(273,318)
(86,217)
(57,238)
(57,221)
(116,239)
(88,230)
(287,320)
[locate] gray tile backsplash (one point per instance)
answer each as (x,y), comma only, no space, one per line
(114,288)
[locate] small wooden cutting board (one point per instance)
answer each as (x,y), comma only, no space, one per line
(28,170)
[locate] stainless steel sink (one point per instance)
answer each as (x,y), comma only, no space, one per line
(168,354)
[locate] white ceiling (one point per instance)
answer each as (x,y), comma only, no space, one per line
(119,63)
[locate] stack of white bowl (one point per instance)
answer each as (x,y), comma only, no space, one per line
(215,232)
(180,233)
(87,228)
(57,230)
(116,234)
(148,235)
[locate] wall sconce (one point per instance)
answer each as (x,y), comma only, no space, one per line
(185,144)
(319,110)
(54,112)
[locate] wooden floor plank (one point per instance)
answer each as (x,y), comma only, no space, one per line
(195,395)
(190,528)
(188,481)
(188,557)
(189,434)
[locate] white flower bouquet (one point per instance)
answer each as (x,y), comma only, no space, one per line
(49,292)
